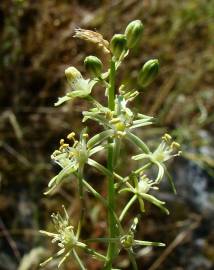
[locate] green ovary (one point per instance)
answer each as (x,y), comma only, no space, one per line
(120,126)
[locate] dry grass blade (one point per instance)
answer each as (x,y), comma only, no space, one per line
(176,242)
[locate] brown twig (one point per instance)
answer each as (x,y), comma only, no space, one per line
(10,240)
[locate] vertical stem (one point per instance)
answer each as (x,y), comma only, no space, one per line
(111,90)
(80,179)
(111,191)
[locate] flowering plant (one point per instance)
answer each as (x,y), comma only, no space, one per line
(118,122)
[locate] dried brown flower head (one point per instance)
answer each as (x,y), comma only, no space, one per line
(93,37)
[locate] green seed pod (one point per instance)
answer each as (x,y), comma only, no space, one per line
(148,72)
(93,65)
(133,33)
(118,45)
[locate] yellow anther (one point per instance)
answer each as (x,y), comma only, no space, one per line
(63,146)
(61,142)
(71,136)
(175,145)
(167,137)
(85,135)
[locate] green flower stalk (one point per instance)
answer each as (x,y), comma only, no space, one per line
(119,122)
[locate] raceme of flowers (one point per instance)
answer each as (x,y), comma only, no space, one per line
(119,122)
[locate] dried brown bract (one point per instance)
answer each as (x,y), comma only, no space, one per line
(93,37)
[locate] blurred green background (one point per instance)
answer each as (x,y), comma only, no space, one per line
(36,45)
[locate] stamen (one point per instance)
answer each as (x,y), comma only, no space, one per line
(61,142)
(167,138)
(175,145)
(71,136)
(63,146)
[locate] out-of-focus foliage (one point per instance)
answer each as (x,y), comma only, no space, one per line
(36,45)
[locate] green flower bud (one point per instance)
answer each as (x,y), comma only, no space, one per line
(148,72)
(93,65)
(134,32)
(118,45)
